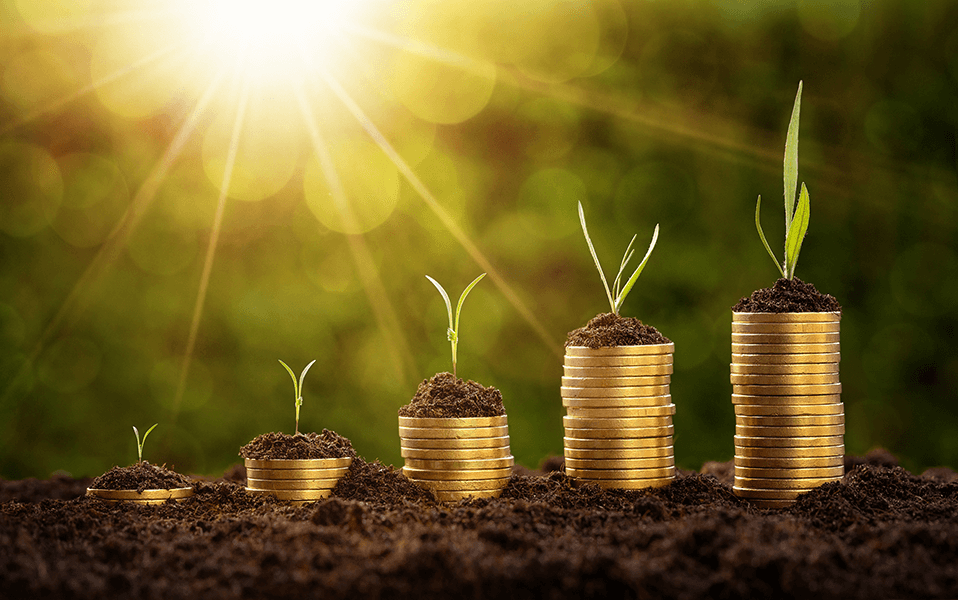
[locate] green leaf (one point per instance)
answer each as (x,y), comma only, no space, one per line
(139,442)
(791,159)
(796,235)
(761,234)
(293,377)
(625,261)
(301,377)
(595,257)
(635,275)
(462,298)
(445,297)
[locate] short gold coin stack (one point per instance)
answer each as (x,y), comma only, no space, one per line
(295,480)
(618,423)
(457,457)
(789,416)
(154,496)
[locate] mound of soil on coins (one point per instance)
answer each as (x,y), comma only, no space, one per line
(788,296)
(140,476)
(609,329)
(446,396)
(274,446)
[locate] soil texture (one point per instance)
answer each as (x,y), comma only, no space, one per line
(609,329)
(140,476)
(786,295)
(274,446)
(446,396)
(880,532)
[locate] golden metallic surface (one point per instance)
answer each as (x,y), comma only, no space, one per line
(782,484)
(764,494)
(786,349)
(621,454)
(640,350)
(790,421)
(458,465)
(463,454)
(621,412)
(789,463)
(629,484)
(786,359)
(792,431)
(784,369)
(786,338)
(620,473)
(787,380)
(154,496)
(460,433)
(620,432)
(618,402)
(615,382)
(301,495)
(333,473)
(820,327)
(291,484)
(475,485)
(454,443)
(803,317)
(784,409)
(835,450)
(634,371)
(617,361)
(457,496)
(617,444)
(787,390)
(453,422)
(745,442)
(614,392)
(789,473)
(456,474)
(583,423)
(619,464)
(785,400)
(307,463)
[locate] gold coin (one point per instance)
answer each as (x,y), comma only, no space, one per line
(621,412)
(638,350)
(296,473)
(474,485)
(624,454)
(835,450)
(786,359)
(456,496)
(616,433)
(630,484)
(802,317)
(788,390)
(153,496)
(617,443)
(455,443)
(291,484)
(615,463)
(790,421)
(782,484)
(785,400)
(820,327)
(787,380)
(835,408)
(463,454)
(787,349)
(620,473)
(579,422)
(614,382)
(786,369)
(781,495)
(786,431)
(788,442)
(617,361)
(790,463)
(302,495)
(461,433)
(786,338)
(614,392)
(789,473)
(453,422)
(618,402)
(305,463)
(458,465)
(456,474)
(634,371)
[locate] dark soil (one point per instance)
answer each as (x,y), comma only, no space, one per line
(788,296)
(880,532)
(327,444)
(608,329)
(140,476)
(446,396)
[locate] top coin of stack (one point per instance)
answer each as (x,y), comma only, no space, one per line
(618,427)
(786,392)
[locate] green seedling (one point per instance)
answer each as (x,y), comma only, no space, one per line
(796,219)
(297,388)
(617,293)
(139,442)
(453,331)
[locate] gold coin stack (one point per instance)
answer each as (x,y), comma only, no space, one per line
(457,457)
(618,426)
(789,416)
(296,480)
(154,496)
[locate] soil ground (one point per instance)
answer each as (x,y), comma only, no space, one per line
(444,395)
(608,329)
(879,532)
(788,295)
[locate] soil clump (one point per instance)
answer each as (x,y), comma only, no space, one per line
(609,329)
(276,446)
(446,396)
(140,476)
(788,295)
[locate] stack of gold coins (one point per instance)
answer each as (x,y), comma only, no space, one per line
(618,426)
(154,496)
(296,480)
(789,416)
(457,457)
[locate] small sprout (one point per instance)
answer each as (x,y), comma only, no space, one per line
(297,388)
(796,219)
(617,294)
(453,331)
(139,442)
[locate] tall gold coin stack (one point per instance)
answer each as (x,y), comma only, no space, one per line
(296,480)
(618,426)
(789,416)
(457,457)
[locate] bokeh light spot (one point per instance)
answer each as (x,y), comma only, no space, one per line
(829,20)
(69,364)
(547,203)
(33,186)
(566,37)
(440,92)
(551,126)
(614,32)
(25,89)
(331,268)
(165,379)
(161,245)
(54,16)
(94,198)
(924,280)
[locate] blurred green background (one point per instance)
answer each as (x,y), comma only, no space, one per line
(507,114)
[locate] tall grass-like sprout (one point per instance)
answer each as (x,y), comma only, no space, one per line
(453,331)
(139,442)
(297,388)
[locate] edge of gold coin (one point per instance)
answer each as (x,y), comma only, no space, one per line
(785,380)
(795,317)
(763,494)
(454,443)
(293,495)
(782,484)
(624,412)
(786,338)
(742,441)
(656,473)
(628,484)
(788,349)
(622,371)
(460,454)
(300,474)
(792,431)
(460,465)
(784,369)
(618,402)
(614,392)
(618,454)
(454,422)
(475,485)
(822,389)
(790,421)
(298,463)
(615,382)
(617,443)
(619,463)
(152,496)
(623,432)
(617,361)
(758,462)
(789,473)
(456,474)
(460,433)
(291,484)
(786,359)
(637,350)
(785,400)
(837,450)
(785,409)
(615,423)
(793,327)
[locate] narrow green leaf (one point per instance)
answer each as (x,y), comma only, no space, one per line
(445,297)
(595,257)
(293,377)
(796,235)
(301,377)
(462,298)
(626,257)
(635,274)
(791,159)
(761,234)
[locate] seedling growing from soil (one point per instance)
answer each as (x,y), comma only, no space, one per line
(453,331)
(617,294)
(297,388)
(139,442)
(796,219)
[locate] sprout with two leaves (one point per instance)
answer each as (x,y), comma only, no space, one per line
(297,388)
(453,331)
(139,442)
